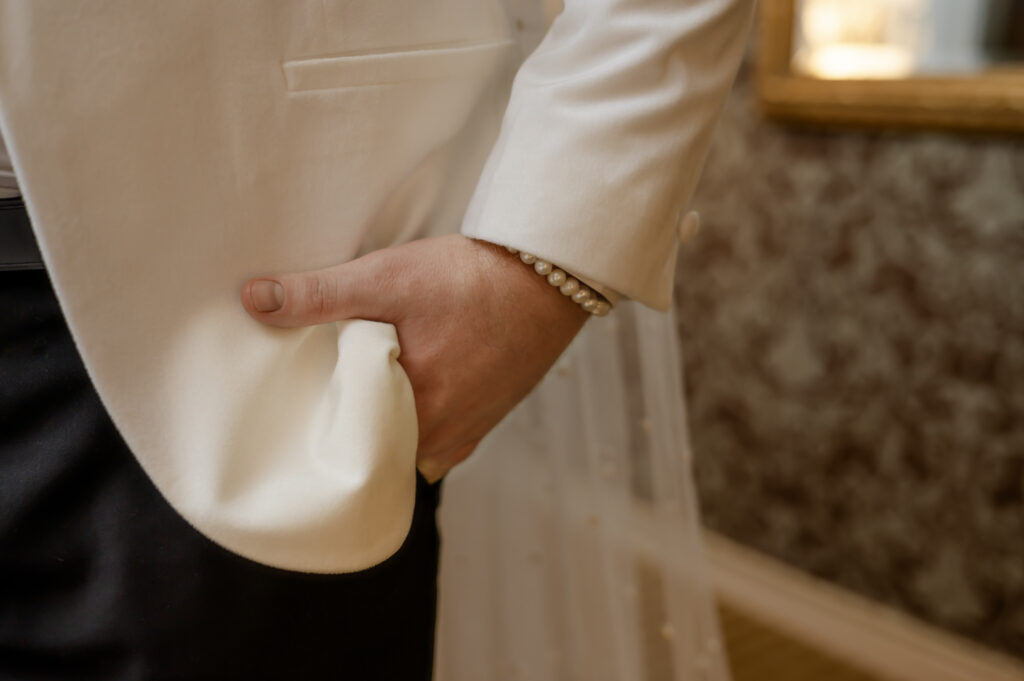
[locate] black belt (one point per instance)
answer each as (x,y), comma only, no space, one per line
(18,249)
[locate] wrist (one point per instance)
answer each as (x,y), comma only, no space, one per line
(519,284)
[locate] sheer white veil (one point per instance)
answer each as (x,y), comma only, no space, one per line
(570,541)
(571,547)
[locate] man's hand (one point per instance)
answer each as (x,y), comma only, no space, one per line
(478,329)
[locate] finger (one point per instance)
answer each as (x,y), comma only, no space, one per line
(351,290)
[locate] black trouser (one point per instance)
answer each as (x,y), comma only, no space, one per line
(101,579)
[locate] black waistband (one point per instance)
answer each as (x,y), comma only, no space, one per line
(18,249)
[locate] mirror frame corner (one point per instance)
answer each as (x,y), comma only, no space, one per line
(991,101)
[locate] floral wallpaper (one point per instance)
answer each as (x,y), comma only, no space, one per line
(852,318)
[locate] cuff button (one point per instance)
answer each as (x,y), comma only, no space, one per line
(689,226)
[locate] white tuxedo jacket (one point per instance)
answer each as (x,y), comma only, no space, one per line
(169,151)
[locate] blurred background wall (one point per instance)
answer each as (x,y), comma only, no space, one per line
(852,320)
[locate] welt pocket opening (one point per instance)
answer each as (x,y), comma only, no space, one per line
(384,67)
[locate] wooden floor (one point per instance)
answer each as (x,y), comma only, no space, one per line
(759,652)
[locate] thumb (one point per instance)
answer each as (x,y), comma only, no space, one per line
(316,297)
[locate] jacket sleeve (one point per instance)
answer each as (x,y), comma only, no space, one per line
(604,137)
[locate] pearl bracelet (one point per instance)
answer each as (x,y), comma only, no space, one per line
(571,287)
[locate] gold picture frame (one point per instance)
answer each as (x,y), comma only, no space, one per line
(989,101)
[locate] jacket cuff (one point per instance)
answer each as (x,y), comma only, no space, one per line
(605,135)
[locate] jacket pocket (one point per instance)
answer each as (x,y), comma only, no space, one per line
(386,67)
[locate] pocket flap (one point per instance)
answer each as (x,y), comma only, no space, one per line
(385,67)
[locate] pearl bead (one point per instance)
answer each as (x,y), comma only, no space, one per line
(570,287)
(582,295)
